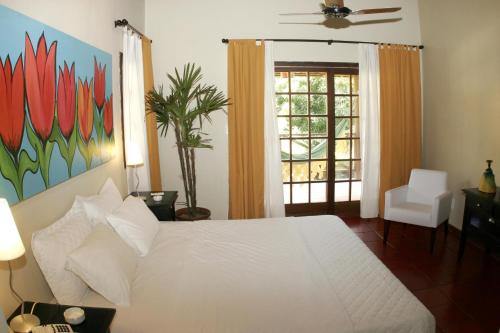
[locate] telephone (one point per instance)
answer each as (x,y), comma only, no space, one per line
(54,328)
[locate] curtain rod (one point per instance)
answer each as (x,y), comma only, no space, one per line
(329,41)
(124,23)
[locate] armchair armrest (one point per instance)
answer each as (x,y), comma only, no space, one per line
(441,207)
(395,196)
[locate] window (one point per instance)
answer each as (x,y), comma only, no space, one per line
(318,121)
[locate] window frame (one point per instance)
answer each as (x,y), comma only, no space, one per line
(332,69)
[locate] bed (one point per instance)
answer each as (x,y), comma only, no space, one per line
(304,274)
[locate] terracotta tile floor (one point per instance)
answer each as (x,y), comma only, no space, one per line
(463,296)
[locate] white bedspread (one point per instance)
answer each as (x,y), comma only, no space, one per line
(309,274)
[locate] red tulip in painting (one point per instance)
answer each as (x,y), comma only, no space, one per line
(108,116)
(66,100)
(99,84)
(85,110)
(11,104)
(40,76)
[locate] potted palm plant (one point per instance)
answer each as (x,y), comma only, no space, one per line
(186,106)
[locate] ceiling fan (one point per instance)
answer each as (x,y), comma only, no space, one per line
(336,9)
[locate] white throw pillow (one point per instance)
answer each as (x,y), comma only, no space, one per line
(98,206)
(136,224)
(106,264)
(51,247)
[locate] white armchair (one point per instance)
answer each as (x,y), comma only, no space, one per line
(425,201)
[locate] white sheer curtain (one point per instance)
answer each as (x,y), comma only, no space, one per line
(134,116)
(274,205)
(369,103)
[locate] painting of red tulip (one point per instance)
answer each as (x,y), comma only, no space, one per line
(13,163)
(56,113)
(66,114)
(99,84)
(11,104)
(108,116)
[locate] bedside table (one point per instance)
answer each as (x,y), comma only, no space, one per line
(164,209)
(97,320)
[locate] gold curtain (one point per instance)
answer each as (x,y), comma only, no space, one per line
(151,129)
(400,116)
(246,129)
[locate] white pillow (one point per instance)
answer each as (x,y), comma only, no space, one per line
(52,245)
(106,264)
(98,206)
(136,224)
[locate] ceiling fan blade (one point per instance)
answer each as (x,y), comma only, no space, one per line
(377,21)
(376,11)
(334,3)
(293,14)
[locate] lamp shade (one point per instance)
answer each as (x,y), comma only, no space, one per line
(134,155)
(11,245)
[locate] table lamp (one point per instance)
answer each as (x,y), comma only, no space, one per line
(11,247)
(134,159)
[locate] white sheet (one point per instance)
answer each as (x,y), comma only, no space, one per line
(309,274)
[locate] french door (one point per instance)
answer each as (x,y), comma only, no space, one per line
(318,119)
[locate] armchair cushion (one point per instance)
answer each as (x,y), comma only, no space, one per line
(410,212)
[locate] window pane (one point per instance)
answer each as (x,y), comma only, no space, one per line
(342,149)
(355,106)
(341,192)
(356,170)
(356,191)
(300,193)
(285,171)
(318,192)
(299,82)
(284,127)
(342,85)
(342,106)
(342,170)
(319,126)
(355,84)
(342,128)
(319,105)
(285,149)
(300,126)
(356,150)
(283,105)
(319,149)
(299,104)
(318,82)
(300,171)
(300,149)
(286,193)
(319,171)
(355,128)
(281,82)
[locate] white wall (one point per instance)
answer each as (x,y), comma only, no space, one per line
(461,108)
(191,31)
(90,21)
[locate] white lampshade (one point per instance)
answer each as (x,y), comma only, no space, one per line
(134,155)
(11,245)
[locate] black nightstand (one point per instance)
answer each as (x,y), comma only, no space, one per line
(164,209)
(481,219)
(97,320)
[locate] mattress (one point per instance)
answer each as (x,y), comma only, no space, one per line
(304,274)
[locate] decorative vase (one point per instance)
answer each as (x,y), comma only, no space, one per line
(487,183)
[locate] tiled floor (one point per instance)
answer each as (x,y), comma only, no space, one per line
(463,296)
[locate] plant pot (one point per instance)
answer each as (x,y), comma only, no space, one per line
(199,214)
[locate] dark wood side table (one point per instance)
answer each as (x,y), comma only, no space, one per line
(481,218)
(164,209)
(97,320)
